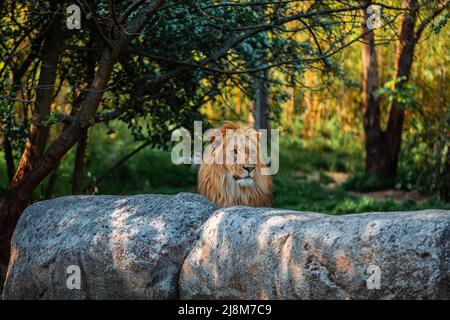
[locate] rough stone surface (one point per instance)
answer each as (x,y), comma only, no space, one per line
(248,253)
(128,247)
(166,247)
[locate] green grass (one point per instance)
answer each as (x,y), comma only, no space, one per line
(365,183)
(292,189)
(303,195)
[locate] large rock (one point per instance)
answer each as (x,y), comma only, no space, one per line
(163,247)
(247,253)
(126,247)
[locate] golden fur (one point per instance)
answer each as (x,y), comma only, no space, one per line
(236,184)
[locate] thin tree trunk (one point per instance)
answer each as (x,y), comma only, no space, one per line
(383,147)
(78,169)
(405,57)
(80,157)
(18,74)
(261,106)
(9,158)
(374,137)
(37,140)
(51,183)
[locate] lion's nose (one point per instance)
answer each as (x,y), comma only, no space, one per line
(249,169)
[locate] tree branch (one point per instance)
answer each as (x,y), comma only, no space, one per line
(429,19)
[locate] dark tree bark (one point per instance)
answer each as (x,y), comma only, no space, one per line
(261,105)
(383,147)
(9,158)
(403,65)
(80,156)
(18,74)
(79,165)
(261,101)
(374,137)
(37,139)
(51,183)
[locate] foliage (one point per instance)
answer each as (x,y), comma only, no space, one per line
(425,163)
(404,94)
(315,104)
(12,128)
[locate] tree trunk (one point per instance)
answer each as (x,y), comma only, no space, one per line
(35,145)
(78,168)
(21,189)
(374,137)
(403,66)
(80,157)
(261,111)
(9,158)
(383,147)
(51,183)
(37,139)
(18,74)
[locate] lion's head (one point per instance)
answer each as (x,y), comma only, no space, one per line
(230,172)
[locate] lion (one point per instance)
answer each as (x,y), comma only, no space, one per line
(239,181)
